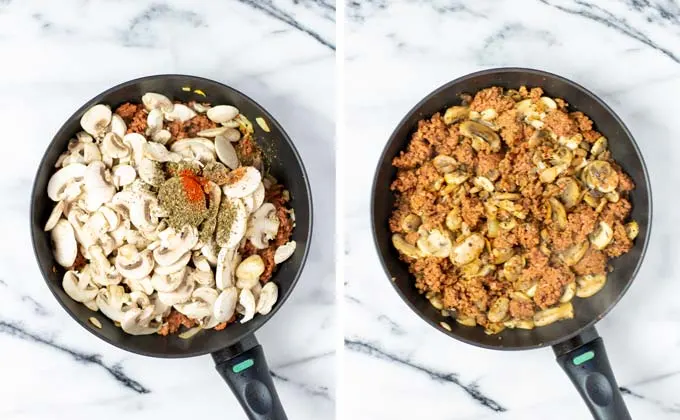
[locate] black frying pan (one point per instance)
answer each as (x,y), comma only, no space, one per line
(578,347)
(238,356)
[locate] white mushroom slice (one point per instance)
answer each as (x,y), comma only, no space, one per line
(143,285)
(226,152)
(91,305)
(64,243)
(235,228)
(601,236)
(248,203)
(83,137)
(152,100)
(154,121)
(201,262)
(247,300)
(249,271)
(180,112)
(98,189)
(284,252)
(123,175)
(208,251)
(168,283)
(80,291)
(111,300)
(158,152)
(133,264)
(141,216)
(184,144)
(200,108)
(73,191)
(232,134)
(258,196)
(55,215)
(118,125)
(113,146)
(137,321)
(212,132)
(227,260)
(161,136)
(268,297)
(136,142)
(96,120)
(97,224)
(83,236)
(242,182)
(256,289)
(62,178)
(176,266)
(119,234)
(468,250)
(150,172)
(222,113)
(263,226)
(204,278)
(176,245)
(180,295)
(225,305)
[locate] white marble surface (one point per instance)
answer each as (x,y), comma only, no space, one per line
(57,55)
(626,51)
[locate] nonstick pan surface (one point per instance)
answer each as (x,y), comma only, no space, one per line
(285,165)
(586,311)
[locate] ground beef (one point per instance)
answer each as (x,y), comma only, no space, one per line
(417,153)
(137,123)
(620,244)
(469,297)
(551,286)
(593,262)
(492,97)
(618,211)
(560,123)
(127,111)
(527,234)
(431,273)
(487,163)
(583,122)
(174,321)
(465,154)
(269,264)
(472,211)
(511,127)
(190,128)
(521,309)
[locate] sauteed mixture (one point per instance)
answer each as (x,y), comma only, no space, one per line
(508,206)
(164,217)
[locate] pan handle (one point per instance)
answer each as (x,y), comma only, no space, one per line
(585,361)
(244,368)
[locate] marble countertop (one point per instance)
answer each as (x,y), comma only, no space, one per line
(628,53)
(56,56)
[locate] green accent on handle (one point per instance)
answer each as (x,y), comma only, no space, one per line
(241,366)
(582,358)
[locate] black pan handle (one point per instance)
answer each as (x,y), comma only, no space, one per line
(244,368)
(585,361)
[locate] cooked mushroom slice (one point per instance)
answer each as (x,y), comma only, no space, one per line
(483,183)
(113,146)
(263,226)
(570,193)
(222,113)
(562,156)
(573,254)
(110,301)
(468,250)
(201,305)
(168,283)
(456,178)
(411,223)
(249,271)
(284,252)
(79,288)
(268,297)
(55,215)
(601,236)
(548,102)
(139,321)
(480,131)
(181,294)
(181,113)
(434,243)
(599,147)
(404,247)
(226,152)
(632,229)
(569,291)
(64,243)
(588,285)
(558,213)
(612,197)
(96,120)
(444,164)
(468,321)
(242,182)
(550,315)
(527,324)
(152,100)
(501,255)
(74,173)
(601,176)
(454,220)
(227,260)
(455,114)
(550,174)
(247,300)
(572,142)
(513,267)
(498,310)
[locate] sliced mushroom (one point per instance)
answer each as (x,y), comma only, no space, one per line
(55,215)
(158,152)
(248,272)
(139,321)
(208,251)
(177,246)
(174,267)
(111,300)
(181,113)
(247,300)
(258,196)
(284,252)
(405,248)
(232,222)
(588,285)
(113,146)
(550,315)
(513,267)
(96,120)
(601,236)
(168,283)
(444,164)
(98,189)
(232,134)
(455,114)
(227,260)
(411,222)
(201,304)
(242,182)
(558,213)
(498,309)
(154,121)
(212,132)
(434,243)
(123,175)
(475,130)
(225,305)
(222,113)
(632,229)
(468,250)
(64,243)
(152,100)
(226,152)
(569,291)
(151,172)
(570,193)
(601,176)
(133,264)
(573,254)
(136,142)
(268,297)
(74,173)
(143,285)
(263,226)
(599,147)
(550,174)
(79,288)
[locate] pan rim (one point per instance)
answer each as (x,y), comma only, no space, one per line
(502,70)
(271,120)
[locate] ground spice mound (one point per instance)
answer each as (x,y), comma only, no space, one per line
(532,238)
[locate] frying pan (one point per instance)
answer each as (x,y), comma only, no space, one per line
(238,357)
(577,346)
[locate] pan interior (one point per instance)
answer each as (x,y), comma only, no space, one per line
(624,151)
(285,167)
